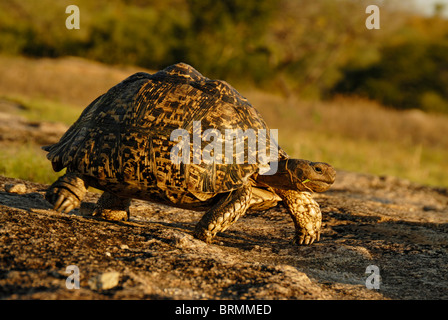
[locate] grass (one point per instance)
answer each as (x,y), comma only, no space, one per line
(38,109)
(420,164)
(26,162)
(353,135)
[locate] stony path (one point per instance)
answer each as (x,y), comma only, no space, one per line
(399,228)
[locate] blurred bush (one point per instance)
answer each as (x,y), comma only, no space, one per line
(412,74)
(313,49)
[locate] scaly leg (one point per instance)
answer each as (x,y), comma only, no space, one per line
(66,193)
(305,213)
(223,214)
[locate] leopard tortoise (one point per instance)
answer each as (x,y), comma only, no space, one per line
(122,144)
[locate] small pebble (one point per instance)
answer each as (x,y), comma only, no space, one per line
(104,281)
(18,188)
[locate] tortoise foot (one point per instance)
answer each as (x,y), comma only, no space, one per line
(306,238)
(203,235)
(66,193)
(113,208)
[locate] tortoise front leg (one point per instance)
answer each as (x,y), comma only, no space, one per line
(66,193)
(306,214)
(227,211)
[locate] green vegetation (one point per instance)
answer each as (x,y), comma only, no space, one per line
(26,162)
(312,48)
(407,75)
(44,110)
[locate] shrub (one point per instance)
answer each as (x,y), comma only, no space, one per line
(408,75)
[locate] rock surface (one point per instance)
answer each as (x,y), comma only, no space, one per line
(397,226)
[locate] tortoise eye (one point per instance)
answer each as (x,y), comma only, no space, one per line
(318,169)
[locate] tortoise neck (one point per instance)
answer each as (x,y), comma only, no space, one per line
(280,179)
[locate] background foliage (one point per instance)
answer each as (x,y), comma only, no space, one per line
(311,48)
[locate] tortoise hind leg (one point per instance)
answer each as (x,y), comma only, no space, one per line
(223,214)
(66,193)
(112,207)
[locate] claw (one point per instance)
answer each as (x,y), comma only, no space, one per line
(305,239)
(58,202)
(69,208)
(299,239)
(65,206)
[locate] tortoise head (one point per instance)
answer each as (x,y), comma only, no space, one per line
(301,175)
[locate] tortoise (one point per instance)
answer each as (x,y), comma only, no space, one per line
(122,144)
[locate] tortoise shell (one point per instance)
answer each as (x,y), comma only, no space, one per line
(122,138)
